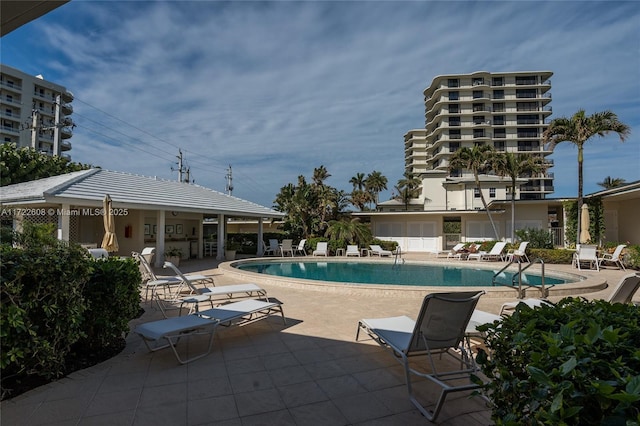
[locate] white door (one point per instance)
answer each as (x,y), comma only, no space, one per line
(422,236)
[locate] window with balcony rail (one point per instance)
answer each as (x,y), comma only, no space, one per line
(528,146)
(453,82)
(477,81)
(454,121)
(478,107)
(498,145)
(527,133)
(498,107)
(454,95)
(500,134)
(454,146)
(479,119)
(498,94)
(526,80)
(477,94)
(454,108)
(478,133)
(526,106)
(528,119)
(497,81)
(454,134)
(526,93)
(499,120)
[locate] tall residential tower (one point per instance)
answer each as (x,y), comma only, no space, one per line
(508,111)
(35,112)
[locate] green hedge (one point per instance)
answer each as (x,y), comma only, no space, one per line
(577,363)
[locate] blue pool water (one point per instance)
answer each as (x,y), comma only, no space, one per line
(385,273)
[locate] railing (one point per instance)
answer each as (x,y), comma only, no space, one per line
(398,256)
(521,289)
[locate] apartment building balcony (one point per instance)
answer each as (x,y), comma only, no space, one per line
(10,130)
(65,145)
(67,96)
(11,115)
(67,109)
(11,86)
(66,132)
(11,101)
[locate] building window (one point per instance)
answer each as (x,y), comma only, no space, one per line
(498,94)
(454,95)
(453,82)
(528,119)
(477,94)
(500,133)
(454,134)
(476,193)
(499,120)
(527,106)
(456,173)
(479,119)
(497,81)
(454,108)
(498,107)
(454,121)
(454,146)
(527,133)
(478,107)
(477,81)
(528,145)
(478,133)
(526,80)
(526,93)
(492,193)
(498,145)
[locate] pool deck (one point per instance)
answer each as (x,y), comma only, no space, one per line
(310,371)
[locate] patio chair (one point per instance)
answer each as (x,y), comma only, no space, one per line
(171,280)
(165,333)
(352,250)
(273,248)
(300,248)
(287,247)
(455,252)
(519,253)
(613,257)
(440,329)
(626,288)
(494,254)
(213,295)
(586,254)
(322,249)
(376,250)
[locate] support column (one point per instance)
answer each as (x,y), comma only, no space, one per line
(63,222)
(160,220)
(260,252)
(222,236)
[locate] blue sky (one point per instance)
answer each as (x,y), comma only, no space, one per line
(278,88)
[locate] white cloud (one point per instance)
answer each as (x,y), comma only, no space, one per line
(278,88)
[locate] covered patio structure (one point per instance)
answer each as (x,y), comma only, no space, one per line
(147,211)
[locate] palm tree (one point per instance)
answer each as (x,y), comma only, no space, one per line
(578,130)
(375,183)
(476,159)
(358,181)
(320,174)
(350,231)
(408,187)
(610,182)
(513,166)
(360,198)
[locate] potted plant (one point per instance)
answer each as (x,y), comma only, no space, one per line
(230,250)
(173,255)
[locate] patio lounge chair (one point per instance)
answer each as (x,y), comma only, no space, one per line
(167,332)
(352,251)
(300,248)
(613,257)
(376,250)
(287,247)
(519,253)
(586,254)
(321,249)
(494,254)
(440,328)
(213,295)
(455,252)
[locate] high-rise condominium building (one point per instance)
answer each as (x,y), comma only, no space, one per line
(508,111)
(35,112)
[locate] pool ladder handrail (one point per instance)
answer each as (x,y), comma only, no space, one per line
(544,290)
(398,255)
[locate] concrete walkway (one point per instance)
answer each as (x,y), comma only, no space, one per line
(308,372)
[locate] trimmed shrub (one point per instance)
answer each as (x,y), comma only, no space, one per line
(576,363)
(42,304)
(113,298)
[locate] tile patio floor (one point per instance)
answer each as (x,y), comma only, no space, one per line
(307,372)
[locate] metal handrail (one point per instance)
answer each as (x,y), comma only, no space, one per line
(398,255)
(518,275)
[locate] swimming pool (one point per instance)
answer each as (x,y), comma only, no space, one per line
(432,275)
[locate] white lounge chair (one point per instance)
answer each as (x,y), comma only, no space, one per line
(322,249)
(213,295)
(519,253)
(440,328)
(613,257)
(376,250)
(352,251)
(167,332)
(455,252)
(586,254)
(300,248)
(494,254)
(287,247)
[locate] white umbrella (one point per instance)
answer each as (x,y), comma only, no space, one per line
(584,225)
(110,241)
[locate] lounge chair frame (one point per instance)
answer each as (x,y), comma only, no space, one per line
(614,257)
(171,330)
(441,328)
(377,250)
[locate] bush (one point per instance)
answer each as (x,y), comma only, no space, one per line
(577,363)
(557,256)
(113,297)
(42,282)
(538,238)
